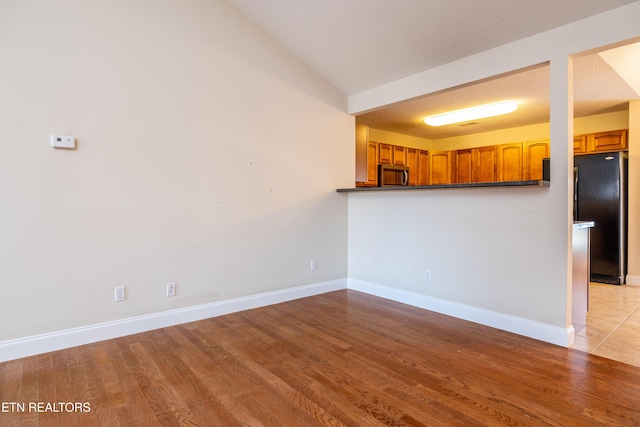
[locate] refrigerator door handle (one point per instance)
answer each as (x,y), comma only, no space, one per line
(575,184)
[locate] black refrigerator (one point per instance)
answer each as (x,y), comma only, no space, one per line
(600,195)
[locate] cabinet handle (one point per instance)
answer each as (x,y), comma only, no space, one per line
(405,177)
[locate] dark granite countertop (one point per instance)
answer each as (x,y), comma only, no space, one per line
(534,183)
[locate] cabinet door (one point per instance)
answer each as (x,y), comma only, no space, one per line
(439,167)
(510,162)
(463,166)
(607,141)
(534,152)
(423,167)
(372,163)
(399,155)
(412,162)
(580,144)
(385,154)
(485,164)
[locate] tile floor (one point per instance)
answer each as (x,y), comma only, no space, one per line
(613,323)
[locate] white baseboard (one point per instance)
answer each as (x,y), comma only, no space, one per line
(38,344)
(632,280)
(517,325)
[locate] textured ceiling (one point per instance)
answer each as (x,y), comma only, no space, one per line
(361,44)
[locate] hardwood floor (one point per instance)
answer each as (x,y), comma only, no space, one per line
(342,358)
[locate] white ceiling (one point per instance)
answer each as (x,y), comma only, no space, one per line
(361,44)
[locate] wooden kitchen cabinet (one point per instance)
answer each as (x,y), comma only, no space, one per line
(580,144)
(399,155)
(463,166)
(366,159)
(607,141)
(418,163)
(478,164)
(412,162)
(385,154)
(372,164)
(601,142)
(534,152)
(439,167)
(485,164)
(423,167)
(510,162)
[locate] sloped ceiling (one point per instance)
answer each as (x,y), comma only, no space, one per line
(361,44)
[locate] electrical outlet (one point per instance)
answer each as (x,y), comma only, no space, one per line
(313,265)
(171,289)
(119,294)
(427,275)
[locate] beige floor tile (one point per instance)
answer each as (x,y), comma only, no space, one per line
(618,349)
(598,290)
(624,292)
(616,305)
(613,323)
(597,330)
(632,324)
(601,315)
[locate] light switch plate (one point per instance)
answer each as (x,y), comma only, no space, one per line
(63,141)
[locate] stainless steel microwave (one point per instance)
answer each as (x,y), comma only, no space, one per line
(393,175)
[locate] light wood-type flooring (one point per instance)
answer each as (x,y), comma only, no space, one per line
(613,323)
(338,359)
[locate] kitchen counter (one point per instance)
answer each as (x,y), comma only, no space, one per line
(534,183)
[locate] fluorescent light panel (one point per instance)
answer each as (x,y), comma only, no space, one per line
(473,113)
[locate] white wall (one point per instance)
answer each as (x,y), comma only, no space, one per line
(501,250)
(207,155)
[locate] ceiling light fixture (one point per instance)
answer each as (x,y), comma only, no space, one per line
(473,113)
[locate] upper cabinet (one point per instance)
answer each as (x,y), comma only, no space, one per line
(505,162)
(399,155)
(463,166)
(580,144)
(414,163)
(601,142)
(439,167)
(423,168)
(510,162)
(366,158)
(392,154)
(485,164)
(607,141)
(385,154)
(534,152)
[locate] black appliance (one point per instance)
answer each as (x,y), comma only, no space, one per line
(392,175)
(600,195)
